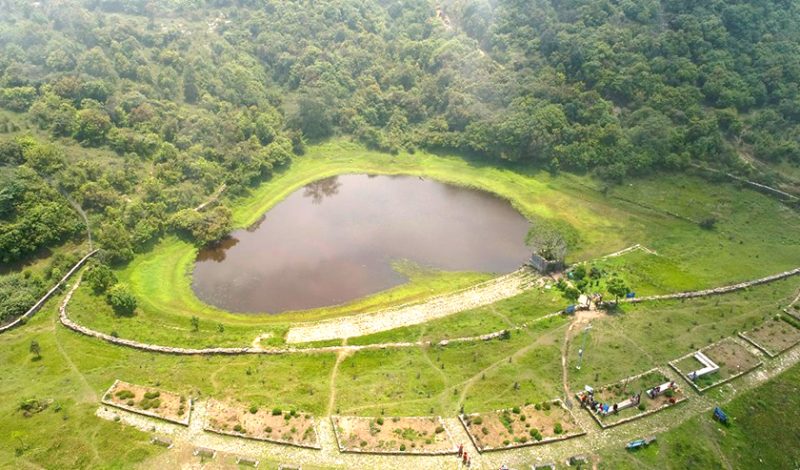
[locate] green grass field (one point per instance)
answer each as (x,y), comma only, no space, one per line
(754,236)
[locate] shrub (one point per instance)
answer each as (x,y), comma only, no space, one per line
(522,418)
(536,434)
(130,403)
(253,409)
(364,444)
(238,428)
(439,429)
(151,395)
(546,405)
(477,420)
(402,447)
(121,300)
(268,429)
(523,439)
(485,431)
(380,421)
(669,393)
(124,394)
(276,411)
(515,410)
(538,406)
(557,428)
(642,407)
(506,442)
(100,278)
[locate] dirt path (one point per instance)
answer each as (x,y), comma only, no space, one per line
(340,357)
(89,395)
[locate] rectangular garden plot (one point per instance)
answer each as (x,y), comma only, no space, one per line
(409,435)
(716,364)
(149,401)
(632,398)
(517,427)
(277,426)
(774,336)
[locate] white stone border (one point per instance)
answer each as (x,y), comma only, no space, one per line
(764,349)
(151,414)
(347,450)
(530,443)
(314,425)
(673,363)
(636,416)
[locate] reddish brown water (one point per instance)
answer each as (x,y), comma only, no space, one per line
(334,240)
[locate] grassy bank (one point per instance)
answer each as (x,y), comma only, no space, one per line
(753,236)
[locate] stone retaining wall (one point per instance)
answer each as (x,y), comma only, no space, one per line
(716,290)
(67,322)
(49,294)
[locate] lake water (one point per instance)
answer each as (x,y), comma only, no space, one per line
(334,241)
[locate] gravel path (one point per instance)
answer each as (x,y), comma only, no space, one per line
(486,293)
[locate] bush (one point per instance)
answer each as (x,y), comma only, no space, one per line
(557,428)
(439,429)
(268,429)
(380,421)
(121,300)
(238,428)
(642,407)
(402,447)
(485,431)
(477,420)
(124,394)
(515,410)
(276,412)
(669,393)
(151,395)
(253,409)
(536,434)
(364,444)
(100,278)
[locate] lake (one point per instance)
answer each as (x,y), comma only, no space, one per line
(334,241)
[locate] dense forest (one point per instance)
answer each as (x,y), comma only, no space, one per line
(191,96)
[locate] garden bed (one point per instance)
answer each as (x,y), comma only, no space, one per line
(734,359)
(774,336)
(518,427)
(149,401)
(426,435)
(651,392)
(270,425)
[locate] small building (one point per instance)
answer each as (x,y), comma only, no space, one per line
(545,266)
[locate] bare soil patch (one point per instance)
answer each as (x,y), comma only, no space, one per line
(278,426)
(521,426)
(411,435)
(774,336)
(149,401)
(733,360)
(653,391)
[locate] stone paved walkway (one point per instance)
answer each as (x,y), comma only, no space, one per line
(482,294)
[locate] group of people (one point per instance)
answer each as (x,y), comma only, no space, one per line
(588,401)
